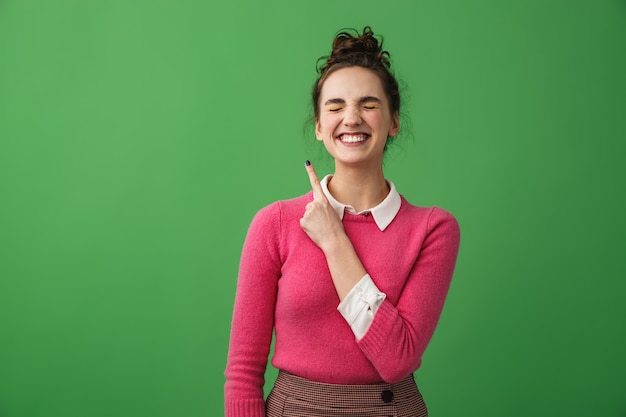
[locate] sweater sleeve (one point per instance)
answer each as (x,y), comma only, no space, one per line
(253,316)
(399,334)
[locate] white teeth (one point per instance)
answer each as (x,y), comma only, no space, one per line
(352,139)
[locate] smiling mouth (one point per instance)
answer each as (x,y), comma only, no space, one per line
(345,138)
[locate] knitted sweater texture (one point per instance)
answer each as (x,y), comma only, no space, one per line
(285,286)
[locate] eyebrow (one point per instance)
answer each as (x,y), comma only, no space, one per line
(367,99)
(370,99)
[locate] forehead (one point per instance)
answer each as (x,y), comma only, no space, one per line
(352,83)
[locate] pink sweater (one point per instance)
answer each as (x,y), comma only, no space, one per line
(284,285)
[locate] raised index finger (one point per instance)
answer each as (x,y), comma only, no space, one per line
(318,194)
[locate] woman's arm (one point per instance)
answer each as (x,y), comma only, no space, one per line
(399,334)
(253,316)
(321,224)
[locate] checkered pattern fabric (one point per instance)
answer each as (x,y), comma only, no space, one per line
(293,396)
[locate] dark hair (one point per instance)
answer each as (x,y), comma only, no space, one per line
(358,50)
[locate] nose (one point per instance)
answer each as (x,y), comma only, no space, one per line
(352,116)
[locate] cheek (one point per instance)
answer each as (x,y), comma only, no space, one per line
(327,124)
(375,118)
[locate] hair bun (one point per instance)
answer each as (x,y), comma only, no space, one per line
(353,48)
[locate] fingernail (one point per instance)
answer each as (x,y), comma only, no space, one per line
(307,162)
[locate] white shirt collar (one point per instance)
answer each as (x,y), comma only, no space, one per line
(383,213)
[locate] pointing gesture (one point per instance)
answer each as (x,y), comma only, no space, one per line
(323,226)
(320,221)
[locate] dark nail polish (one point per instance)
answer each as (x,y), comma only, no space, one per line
(307,162)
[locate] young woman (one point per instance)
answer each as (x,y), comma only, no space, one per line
(351,277)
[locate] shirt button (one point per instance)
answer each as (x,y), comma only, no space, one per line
(386,396)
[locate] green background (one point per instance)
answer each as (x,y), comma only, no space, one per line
(138,139)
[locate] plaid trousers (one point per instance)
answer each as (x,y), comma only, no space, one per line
(293,396)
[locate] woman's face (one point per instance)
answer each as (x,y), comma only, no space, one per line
(354,117)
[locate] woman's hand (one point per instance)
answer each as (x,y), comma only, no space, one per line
(321,223)
(320,220)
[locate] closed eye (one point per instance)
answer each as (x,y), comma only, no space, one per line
(333,105)
(370,103)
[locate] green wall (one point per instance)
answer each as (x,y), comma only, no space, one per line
(138,139)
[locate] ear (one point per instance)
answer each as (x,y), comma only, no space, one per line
(394,129)
(318,131)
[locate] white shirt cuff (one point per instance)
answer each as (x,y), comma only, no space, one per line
(360,305)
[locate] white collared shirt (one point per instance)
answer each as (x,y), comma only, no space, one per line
(383,213)
(363,300)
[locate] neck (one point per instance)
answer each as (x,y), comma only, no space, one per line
(359,188)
